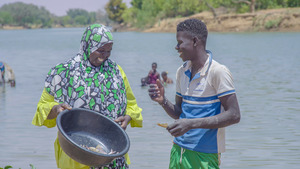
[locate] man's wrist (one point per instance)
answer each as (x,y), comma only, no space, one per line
(164,103)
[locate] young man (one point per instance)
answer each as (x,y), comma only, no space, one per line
(205,101)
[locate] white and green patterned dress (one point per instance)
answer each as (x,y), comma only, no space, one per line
(80,84)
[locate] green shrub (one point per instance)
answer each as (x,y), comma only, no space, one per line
(272,23)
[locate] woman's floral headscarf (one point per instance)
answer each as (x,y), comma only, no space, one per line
(80,84)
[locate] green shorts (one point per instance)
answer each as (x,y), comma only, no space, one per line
(181,158)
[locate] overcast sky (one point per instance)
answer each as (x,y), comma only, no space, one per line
(60,7)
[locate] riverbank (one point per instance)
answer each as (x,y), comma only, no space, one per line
(281,20)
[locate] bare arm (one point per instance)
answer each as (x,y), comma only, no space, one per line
(172,110)
(230,116)
(124,120)
(57,109)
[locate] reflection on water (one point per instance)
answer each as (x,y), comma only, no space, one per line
(265,67)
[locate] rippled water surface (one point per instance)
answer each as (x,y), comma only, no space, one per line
(266,71)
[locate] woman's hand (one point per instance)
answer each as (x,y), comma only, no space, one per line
(57,109)
(124,121)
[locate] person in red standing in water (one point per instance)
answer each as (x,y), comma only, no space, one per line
(153,75)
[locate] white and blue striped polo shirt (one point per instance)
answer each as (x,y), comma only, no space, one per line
(200,98)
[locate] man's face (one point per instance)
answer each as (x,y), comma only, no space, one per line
(101,54)
(185,45)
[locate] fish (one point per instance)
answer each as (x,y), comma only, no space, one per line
(164,125)
(99,149)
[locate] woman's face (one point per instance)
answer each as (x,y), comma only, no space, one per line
(100,55)
(154,66)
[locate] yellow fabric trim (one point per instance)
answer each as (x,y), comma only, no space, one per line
(63,161)
(44,107)
(132,109)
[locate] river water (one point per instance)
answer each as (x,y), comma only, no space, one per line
(265,67)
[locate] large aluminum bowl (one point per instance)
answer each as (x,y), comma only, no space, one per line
(79,127)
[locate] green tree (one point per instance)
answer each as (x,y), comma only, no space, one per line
(5,18)
(137,4)
(266,4)
(81,16)
(27,14)
(44,17)
(251,4)
(73,13)
(64,20)
(293,3)
(81,20)
(150,12)
(174,8)
(92,17)
(129,16)
(115,10)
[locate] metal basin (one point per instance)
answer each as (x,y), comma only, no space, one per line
(79,127)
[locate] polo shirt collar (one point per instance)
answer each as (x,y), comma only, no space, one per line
(207,64)
(204,70)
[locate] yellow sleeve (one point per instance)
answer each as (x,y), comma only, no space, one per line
(132,109)
(44,107)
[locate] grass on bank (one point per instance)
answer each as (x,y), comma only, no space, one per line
(8,167)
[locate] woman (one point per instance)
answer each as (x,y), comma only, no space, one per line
(153,75)
(89,80)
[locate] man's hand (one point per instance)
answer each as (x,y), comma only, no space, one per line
(124,120)
(157,92)
(57,109)
(179,127)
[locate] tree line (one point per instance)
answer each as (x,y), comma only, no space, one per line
(32,16)
(144,13)
(140,14)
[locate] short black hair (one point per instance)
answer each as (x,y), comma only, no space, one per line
(194,27)
(154,63)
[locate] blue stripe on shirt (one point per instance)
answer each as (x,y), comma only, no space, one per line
(226,93)
(179,94)
(200,99)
